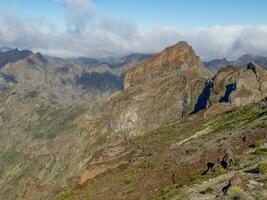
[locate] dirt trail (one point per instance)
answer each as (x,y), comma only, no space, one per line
(198,134)
(91,174)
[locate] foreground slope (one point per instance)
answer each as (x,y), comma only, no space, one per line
(191,158)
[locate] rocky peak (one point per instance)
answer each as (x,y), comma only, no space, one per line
(13,56)
(36,58)
(158,89)
(236,86)
(259,71)
(172,60)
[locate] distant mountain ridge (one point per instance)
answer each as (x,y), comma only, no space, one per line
(112,61)
(4,49)
(12,55)
(215,65)
(118,64)
(83,78)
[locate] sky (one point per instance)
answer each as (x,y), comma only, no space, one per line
(101,28)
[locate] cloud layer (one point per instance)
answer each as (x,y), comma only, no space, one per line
(78,13)
(114,37)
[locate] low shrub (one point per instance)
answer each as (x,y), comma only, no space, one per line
(38,135)
(262,168)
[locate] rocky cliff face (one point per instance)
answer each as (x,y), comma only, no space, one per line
(174,84)
(239,86)
(176,59)
(233,85)
(161,88)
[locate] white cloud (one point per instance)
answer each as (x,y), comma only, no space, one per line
(114,37)
(78,13)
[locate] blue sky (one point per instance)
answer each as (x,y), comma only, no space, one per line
(152,13)
(188,13)
(100,28)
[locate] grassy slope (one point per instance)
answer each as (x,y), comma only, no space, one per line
(163,166)
(36,137)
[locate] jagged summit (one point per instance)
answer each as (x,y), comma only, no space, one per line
(13,56)
(179,57)
(178,45)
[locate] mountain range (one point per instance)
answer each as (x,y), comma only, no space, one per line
(215,65)
(158,126)
(65,80)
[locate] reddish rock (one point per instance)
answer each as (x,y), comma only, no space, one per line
(159,89)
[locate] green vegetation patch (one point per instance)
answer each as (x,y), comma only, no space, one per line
(235,191)
(61,172)
(237,119)
(66,196)
(10,157)
(260,151)
(51,135)
(1,174)
(31,94)
(262,168)
(209,190)
(128,180)
(42,110)
(38,135)
(54,121)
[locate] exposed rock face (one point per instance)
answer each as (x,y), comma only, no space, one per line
(159,89)
(174,84)
(238,180)
(174,60)
(239,86)
(233,85)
